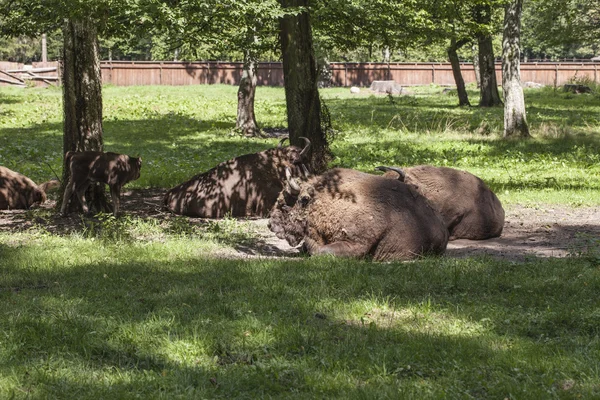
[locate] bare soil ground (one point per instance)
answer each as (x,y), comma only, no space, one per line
(529,232)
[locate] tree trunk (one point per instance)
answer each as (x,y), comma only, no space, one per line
(489,86)
(82,101)
(246,120)
(44,49)
(301,79)
(476,65)
(487,69)
(463,97)
(515,122)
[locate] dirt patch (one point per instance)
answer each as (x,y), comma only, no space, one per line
(545,231)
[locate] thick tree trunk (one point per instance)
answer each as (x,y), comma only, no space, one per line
(246,120)
(487,69)
(463,97)
(489,86)
(301,79)
(515,122)
(476,65)
(82,101)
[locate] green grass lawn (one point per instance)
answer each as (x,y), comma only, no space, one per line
(141,308)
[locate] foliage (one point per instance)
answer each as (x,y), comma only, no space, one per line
(561,28)
(26,49)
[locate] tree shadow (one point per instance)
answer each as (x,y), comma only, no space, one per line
(284,327)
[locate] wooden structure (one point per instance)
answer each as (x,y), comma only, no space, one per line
(129,73)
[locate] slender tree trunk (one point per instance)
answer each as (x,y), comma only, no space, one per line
(82,100)
(301,79)
(515,121)
(489,86)
(246,120)
(44,49)
(463,97)
(476,65)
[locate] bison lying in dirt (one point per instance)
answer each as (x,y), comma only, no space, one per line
(469,208)
(19,192)
(87,167)
(244,186)
(353,214)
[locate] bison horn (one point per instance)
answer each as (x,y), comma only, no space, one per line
(399,171)
(280,144)
(291,182)
(306,147)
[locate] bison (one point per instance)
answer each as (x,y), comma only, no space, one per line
(469,208)
(87,167)
(19,192)
(245,186)
(353,214)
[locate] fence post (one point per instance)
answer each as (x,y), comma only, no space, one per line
(433,73)
(160,74)
(556,75)
(345,74)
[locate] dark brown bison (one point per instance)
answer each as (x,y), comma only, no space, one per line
(469,208)
(87,167)
(19,192)
(353,214)
(245,186)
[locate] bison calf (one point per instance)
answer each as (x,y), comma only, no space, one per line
(19,192)
(349,213)
(469,208)
(87,167)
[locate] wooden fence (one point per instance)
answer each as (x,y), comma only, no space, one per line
(128,73)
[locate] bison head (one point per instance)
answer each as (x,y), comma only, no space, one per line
(289,216)
(294,154)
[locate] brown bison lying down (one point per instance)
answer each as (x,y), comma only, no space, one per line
(353,214)
(245,186)
(19,192)
(469,208)
(87,167)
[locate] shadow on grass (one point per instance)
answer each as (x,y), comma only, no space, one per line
(254,328)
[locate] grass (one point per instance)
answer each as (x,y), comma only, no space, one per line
(94,319)
(180,131)
(150,308)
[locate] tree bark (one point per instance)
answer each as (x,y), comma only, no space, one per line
(301,85)
(515,121)
(489,86)
(246,119)
(82,101)
(476,65)
(463,97)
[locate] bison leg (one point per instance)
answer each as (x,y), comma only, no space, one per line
(81,196)
(115,193)
(342,248)
(66,198)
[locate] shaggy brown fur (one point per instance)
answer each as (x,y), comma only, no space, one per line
(87,167)
(469,208)
(353,214)
(19,192)
(244,186)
